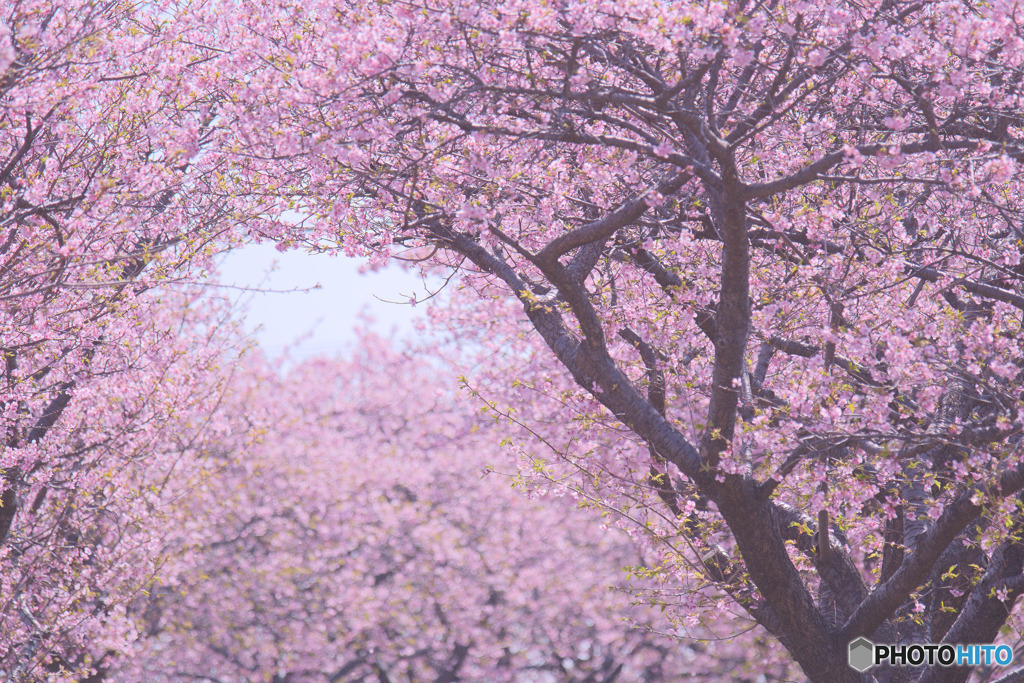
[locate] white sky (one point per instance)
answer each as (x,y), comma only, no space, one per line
(321,321)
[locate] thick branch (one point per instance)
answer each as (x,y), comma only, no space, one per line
(51,413)
(733,324)
(606,226)
(985,613)
(886,598)
(589,364)
(812,641)
(812,171)
(838,570)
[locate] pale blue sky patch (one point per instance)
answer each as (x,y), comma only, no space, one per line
(319,321)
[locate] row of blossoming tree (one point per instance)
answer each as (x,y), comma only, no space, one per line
(363,539)
(745,274)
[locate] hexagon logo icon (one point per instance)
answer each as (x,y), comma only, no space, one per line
(862,654)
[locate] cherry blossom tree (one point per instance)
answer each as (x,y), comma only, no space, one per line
(94,157)
(99,490)
(105,381)
(363,539)
(772,252)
